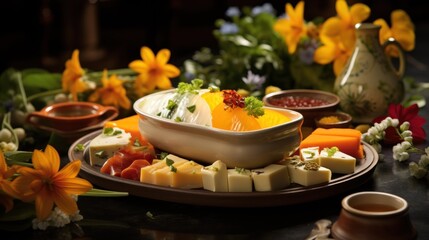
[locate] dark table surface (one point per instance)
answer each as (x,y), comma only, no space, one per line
(127,218)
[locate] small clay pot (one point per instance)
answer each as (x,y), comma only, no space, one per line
(373,215)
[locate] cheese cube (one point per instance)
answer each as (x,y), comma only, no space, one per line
(147,173)
(215,177)
(308,173)
(162,177)
(240,180)
(104,146)
(187,176)
(339,162)
(271,177)
(310,154)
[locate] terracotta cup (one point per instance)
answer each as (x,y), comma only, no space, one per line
(373,215)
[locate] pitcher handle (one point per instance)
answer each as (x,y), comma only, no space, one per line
(400,71)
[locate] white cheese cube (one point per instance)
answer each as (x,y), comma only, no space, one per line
(215,177)
(310,154)
(308,173)
(240,180)
(271,177)
(104,146)
(339,162)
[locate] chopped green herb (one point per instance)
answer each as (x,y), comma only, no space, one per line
(170,163)
(178,119)
(163,155)
(111,131)
(253,106)
(171,105)
(311,153)
(101,154)
(137,143)
(158,114)
(240,170)
(149,215)
(79,148)
(214,89)
(191,108)
(192,87)
(331,151)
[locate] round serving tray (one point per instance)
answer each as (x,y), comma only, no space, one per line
(294,194)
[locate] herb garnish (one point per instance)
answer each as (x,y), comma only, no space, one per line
(311,153)
(111,131)
(191,108)
(253,106)
(331,151)
(79,148)
(170,163)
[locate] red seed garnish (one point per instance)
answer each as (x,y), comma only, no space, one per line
(233,99)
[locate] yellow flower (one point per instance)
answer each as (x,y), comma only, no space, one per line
(112,92)
(6,192)
(293,27)
(72,78)
(48,185)
(402,30)
(338,34)
(154,71)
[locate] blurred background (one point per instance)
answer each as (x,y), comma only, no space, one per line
(110,33)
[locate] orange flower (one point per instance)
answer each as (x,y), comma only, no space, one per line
(293,27)
(402,30)
(48,185)
(72,78)
(6,192)
(154,71)
(338,34)
(112,92)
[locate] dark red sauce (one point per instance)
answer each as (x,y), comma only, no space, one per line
(297,101)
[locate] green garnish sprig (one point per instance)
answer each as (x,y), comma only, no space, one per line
(254,106)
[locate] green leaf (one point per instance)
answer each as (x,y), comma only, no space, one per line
(19,156)
(36,82)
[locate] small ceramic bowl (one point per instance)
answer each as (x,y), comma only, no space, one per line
(69,117)
(373,215)
(333,120)
(310,103)
(245,149)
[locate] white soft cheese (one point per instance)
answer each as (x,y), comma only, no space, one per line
(339,162)
(156,105)
(308,173)
(215,177)
(240,180)
(104,146)
(270,178)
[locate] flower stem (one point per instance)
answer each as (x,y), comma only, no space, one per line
(44,94)
(104,193)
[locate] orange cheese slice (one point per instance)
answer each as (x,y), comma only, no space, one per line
(128,124)
(347,140)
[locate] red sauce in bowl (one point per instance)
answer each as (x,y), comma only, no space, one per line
(297,101)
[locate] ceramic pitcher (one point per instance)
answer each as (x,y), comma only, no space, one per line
(370,81)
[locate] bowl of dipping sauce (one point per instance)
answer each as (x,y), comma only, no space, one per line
(68,117)
(373,215)
(310,103)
